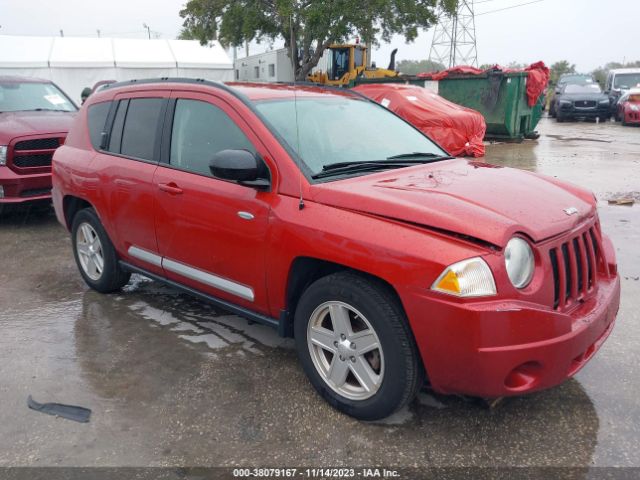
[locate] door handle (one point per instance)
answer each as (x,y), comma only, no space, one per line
(171,188)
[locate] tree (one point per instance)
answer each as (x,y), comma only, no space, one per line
(560,68)
(412,67)
(308,27)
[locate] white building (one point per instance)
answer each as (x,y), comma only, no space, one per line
(273,66)
(78,62)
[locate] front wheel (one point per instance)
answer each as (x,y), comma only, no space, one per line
(94,253)
(356,347)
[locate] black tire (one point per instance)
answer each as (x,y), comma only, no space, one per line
(552,110)
(560,118)
(403,371)
(112,277)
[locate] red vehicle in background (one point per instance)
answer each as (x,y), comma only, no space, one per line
(35,116)
(628,108)
(320,213)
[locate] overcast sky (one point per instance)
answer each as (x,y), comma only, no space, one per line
(588,33)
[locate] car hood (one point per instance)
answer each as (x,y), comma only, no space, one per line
(479,200)
(583,96)
(18,124)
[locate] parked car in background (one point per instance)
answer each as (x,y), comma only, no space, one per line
(582,101)
(619,81)
(320,213)
(568,79)
(35,116)
(628,107)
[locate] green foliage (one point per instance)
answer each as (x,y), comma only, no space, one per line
(308,27)
(560,68)
(412,67)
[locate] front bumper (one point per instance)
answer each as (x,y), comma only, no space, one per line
(570,111)
(24,188)
(494,349)
(632,117)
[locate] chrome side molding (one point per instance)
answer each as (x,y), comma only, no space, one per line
(145,256)
(201,276)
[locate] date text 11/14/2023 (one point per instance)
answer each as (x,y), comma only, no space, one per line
(315,473)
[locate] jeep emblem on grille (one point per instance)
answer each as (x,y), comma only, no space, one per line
(571,210)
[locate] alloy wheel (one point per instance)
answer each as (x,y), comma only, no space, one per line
(345,350)
(90,253)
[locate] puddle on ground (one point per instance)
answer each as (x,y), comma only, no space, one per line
(200,322)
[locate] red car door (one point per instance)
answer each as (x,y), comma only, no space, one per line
(126,169)
(211,233)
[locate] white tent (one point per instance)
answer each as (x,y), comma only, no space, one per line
(77,62)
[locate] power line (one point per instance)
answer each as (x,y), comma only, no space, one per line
(506,8)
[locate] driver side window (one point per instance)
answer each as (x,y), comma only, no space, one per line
(200,130)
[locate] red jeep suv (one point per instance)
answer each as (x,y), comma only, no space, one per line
(321,213)
(35,116)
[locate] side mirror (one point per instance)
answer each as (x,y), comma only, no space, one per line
(239,166)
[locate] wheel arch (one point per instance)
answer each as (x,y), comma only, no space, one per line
(71,205)
(306,270)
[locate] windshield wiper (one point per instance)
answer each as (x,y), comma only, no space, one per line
(362,166)
(408,159)
(430,155)
(47,110)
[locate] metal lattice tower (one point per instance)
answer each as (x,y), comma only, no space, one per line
(454,38)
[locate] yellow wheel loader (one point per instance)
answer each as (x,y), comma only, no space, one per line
(347,63)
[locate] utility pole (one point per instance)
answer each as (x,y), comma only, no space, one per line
(61,33)
(98,31)
(454,37)
(144,25)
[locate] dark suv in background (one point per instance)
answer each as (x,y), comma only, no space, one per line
(35,116)
(582,101)
(568,79)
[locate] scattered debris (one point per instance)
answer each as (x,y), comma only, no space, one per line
(621,201)
(491,403)
(70,412)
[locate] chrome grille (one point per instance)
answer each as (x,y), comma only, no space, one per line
(575,262)
(585,103)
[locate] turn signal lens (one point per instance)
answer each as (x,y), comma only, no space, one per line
(3,154)
(468,278)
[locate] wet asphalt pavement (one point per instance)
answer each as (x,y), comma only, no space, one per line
(174,382)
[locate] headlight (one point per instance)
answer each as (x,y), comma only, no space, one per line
(565,102)
(518,258)
(468,278)
(3,154)
(635,108)
(604,102)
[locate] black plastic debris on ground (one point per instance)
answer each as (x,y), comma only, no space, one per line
(70,412)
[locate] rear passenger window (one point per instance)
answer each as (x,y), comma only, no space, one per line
(200,130)
(139,135)
(115,139)
(97,118)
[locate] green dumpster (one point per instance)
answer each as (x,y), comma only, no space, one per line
(500,97)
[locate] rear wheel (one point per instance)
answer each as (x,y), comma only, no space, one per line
(94,253)
(356,347)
